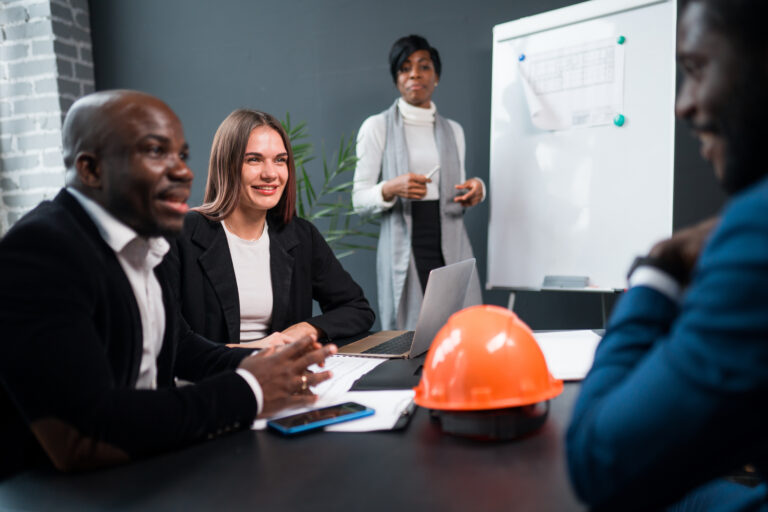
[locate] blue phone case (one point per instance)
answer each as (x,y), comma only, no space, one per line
(320,423)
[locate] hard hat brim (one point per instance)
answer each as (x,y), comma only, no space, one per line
(556,387)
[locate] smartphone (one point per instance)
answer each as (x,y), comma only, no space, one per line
(319,418)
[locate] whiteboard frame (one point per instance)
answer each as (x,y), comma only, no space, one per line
(551,20)
(557,18)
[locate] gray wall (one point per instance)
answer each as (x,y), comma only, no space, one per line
(325,61)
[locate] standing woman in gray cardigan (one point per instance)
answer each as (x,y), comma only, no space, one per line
(411,169)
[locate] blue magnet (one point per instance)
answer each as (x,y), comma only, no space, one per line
(621,40)
(522,57)
(619,120)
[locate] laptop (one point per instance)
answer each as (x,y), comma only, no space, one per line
(449,289)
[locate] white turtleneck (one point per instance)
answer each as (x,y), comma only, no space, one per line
(419,126)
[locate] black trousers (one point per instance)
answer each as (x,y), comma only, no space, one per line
(426,239)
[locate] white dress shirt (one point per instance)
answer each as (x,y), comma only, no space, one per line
(138,257)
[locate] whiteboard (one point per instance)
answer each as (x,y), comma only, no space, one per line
(579,197)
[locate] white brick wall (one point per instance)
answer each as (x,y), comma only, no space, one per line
(45,65)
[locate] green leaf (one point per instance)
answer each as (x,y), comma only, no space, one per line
(308,185)
(356,246)
(344,187)
(333,201)
(325,212)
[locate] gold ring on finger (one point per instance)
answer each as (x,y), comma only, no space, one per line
(304,384)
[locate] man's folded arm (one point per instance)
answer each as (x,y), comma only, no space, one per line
(663,385)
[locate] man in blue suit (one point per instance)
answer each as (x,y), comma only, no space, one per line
(677,395)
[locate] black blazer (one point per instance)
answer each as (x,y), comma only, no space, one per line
(303,268)
(70,351)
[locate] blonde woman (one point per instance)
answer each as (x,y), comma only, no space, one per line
(248,267)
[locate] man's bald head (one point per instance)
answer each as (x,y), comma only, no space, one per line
(126,151)
(91,121)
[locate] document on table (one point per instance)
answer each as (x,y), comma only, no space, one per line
(345,369)
(569,354)
(389,407)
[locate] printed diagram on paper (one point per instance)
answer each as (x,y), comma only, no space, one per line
(575,86)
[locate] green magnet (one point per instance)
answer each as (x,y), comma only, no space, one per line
(621,40)
(619,120)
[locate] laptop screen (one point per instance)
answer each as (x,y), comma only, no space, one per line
(449,289)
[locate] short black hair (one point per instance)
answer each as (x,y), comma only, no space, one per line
(742,20)
(741,120)
(404,48)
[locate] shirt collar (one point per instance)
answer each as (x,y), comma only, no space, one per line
(417,115)
(121,238)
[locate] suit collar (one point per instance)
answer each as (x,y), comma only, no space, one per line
(123,240)
(67,201)
(282,241)
(112,266)
(216,263)
(167,356)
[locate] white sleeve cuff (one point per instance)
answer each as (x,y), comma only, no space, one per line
(384,205)
(657,279)
(483,184)
(258,394)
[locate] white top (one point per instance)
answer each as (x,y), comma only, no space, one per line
(138,256)
(419,126)
(250,258)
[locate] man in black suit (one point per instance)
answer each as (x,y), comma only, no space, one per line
(91,337)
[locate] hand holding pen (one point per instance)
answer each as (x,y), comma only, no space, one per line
(408,186)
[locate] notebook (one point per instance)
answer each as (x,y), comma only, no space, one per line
(449,289)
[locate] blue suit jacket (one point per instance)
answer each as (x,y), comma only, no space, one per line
(678,394)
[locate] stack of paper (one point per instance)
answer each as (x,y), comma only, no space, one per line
(569,354)
(346,370)
(389,405)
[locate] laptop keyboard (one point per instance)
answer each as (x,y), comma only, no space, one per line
(397,345)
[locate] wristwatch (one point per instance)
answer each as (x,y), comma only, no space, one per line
(675,270)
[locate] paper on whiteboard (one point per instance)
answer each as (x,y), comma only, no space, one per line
(574,86)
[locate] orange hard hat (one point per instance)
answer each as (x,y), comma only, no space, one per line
(485,358)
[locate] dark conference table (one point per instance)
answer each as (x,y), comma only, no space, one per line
(417,468)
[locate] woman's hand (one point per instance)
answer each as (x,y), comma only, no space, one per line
(409,186)
(276,339)
(474,194)
(300,330)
